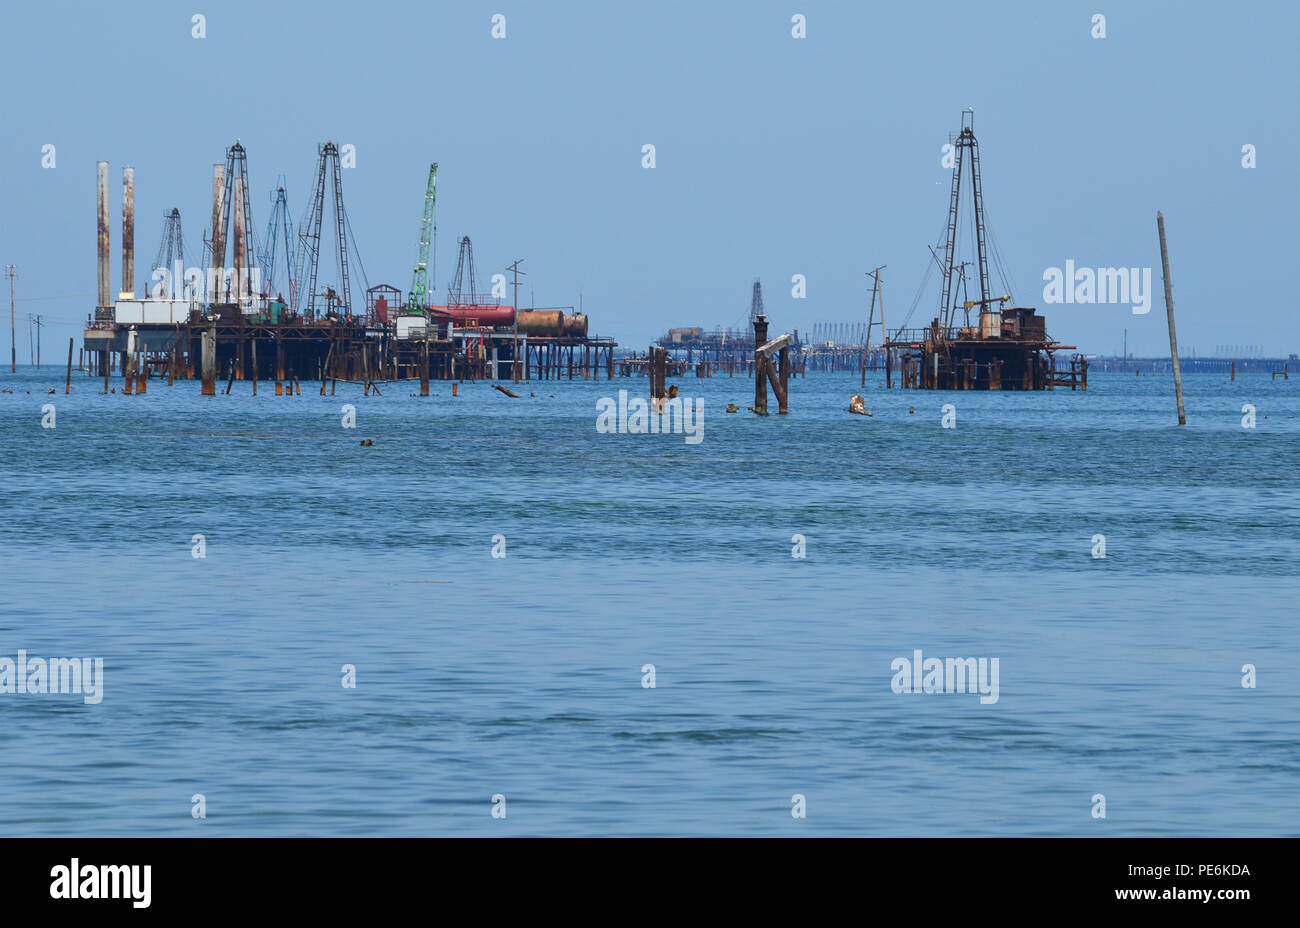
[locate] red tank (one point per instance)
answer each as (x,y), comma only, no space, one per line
(468,316)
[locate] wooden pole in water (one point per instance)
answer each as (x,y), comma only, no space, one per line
(1169,310)
(209,361)
(67,387)
(782,404)
(424,367)
(254,344)
(325,370)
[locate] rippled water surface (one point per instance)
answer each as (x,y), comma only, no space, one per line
(522,676)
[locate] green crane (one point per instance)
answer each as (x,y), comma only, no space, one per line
(420,287)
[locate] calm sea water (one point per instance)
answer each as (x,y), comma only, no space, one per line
(522,676)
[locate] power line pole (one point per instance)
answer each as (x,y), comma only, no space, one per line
(39,325)
(514,363)
(31,354)
(871,318)
(13,338)
(515,269)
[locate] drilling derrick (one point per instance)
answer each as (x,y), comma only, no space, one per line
(461,292)
(170,251)
(966,150)
(230,191)
(1009,349)
(278,251)
(327,162)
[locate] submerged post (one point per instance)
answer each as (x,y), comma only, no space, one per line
(67,387)
(424,366)
(210,361)
(1169,310)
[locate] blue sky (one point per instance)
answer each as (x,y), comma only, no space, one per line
(775,156)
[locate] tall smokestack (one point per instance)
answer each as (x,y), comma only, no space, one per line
(105,298)
(218,224)
(128,233)
(238,249)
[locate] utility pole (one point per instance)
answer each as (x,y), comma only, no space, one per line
(871,317)
(515,269)
(39,325)
(514,363)
(13,338)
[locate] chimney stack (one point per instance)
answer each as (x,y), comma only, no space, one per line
(128,233)
(218,221)
(105,298)
(237,251)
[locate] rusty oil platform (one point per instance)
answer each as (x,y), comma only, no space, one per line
(1003,347)
(236,322)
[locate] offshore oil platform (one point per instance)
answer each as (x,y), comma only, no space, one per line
(1006,347)
(210,320)
(730,350)
(998,347)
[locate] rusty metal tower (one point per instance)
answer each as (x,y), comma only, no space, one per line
(309,254)
(279,234)
(461,292)
(966,148)
(170,250)
(232,207)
